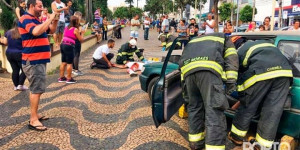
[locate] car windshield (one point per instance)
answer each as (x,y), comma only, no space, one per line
(291,50)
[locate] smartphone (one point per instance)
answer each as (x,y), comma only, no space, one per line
(85,26)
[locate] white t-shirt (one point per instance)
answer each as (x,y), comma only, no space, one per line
(134,28)
(166,24)
(209,29)
(100,50)
(292,28)
(62,13)
(146,23)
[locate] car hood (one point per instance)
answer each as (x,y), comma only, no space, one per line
(160,65)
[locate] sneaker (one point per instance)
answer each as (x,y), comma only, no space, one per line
(22,88)
(92,65)
(71,81)
(77,73)
(15,88)
(62,79)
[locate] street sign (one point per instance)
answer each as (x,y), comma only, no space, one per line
(284,14)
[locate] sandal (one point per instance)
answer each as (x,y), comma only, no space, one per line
(36,127)
(43,118)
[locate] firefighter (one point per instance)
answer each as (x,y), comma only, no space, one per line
(167,40)
(263,84)
(206,62)
(125,54)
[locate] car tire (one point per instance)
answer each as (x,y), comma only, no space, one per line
(150,86)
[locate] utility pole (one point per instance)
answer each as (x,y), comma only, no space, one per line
(231,15)
(273,15)
(237,16)
(195,11)
(200,15)
(280,14)
(253,11)
(137,3)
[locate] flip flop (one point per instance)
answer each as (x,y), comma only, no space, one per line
(43,118)
(31,127)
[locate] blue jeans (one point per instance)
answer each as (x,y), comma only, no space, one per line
(146,32)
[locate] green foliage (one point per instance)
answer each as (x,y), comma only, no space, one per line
(121,12)
(126,12)
(158,6)
(246,13)
(225,11)
(6,17)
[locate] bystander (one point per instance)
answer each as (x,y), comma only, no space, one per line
(102,56)
(135,24)
(296,26)
(146,26)
(14,55)
(35,55)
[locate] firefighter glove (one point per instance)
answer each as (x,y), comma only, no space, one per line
(230,88)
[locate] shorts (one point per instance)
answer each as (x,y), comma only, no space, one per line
(134,34)
(36,75)
(67,53)
(60,27)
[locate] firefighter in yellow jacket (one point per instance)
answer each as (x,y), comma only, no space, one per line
(206,63)
(263,84)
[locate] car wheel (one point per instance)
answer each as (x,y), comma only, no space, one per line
(150,86)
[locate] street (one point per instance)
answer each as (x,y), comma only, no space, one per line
(105,109)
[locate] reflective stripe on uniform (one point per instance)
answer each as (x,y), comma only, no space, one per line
(125,53)
(253,48)
(142,57)
(263,142)
(230,51)
(131,57)
(164,43)
(264,76)
(137,50)
(170,43)
(203,63)
(119,54)
(238,132)
(212,38)
(196,137)
(213,147)
(124,62)
(232,74)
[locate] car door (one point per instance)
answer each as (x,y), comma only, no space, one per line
(167,93)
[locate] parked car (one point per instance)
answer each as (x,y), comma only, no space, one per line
(165,88)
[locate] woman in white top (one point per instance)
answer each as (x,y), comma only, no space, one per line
(209,25)
(252,27)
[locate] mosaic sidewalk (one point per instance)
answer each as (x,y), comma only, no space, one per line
(105,109)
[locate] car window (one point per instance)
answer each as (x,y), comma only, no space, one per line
(291,50)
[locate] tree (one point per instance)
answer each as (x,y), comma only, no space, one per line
(225,11)
(246,13)
(124,12)
(129,2)
(159,6)
(6,17)
(182,3)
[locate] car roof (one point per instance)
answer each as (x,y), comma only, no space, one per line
(269,33)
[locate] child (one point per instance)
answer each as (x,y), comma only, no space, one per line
(261,28)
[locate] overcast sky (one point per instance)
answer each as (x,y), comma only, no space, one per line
(118,2)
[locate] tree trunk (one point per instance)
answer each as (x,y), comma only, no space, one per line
(216,15)
(253,11)
(9,6)
(86,11)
